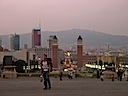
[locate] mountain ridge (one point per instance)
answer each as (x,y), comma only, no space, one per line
(69,38)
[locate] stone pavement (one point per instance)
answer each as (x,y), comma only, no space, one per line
(31,86)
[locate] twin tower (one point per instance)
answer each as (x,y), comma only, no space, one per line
(36,41)
(79,52)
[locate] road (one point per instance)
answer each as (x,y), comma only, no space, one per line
(31,86)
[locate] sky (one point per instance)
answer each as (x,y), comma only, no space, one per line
(21,16)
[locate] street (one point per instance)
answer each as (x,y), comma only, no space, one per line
(31,86)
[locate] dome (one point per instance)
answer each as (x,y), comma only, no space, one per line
(79,38)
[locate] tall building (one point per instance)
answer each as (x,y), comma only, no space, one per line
(79,52)
(14,42)
(55,52)
(11,43)
(36,37)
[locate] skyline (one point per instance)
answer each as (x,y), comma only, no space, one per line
(105,16)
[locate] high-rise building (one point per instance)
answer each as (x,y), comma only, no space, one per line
(79,52)
(36,37)
(14,42)
(11,43)
(55,52)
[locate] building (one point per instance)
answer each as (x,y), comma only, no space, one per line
(89,59)
(79,52)
(11,43)
(55,52)
(23,54)
(36,37)
(39,52)
(14,42)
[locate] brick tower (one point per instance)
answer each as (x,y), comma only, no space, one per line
(79,52)
(55,52)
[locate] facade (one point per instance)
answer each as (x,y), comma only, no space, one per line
(36,37)
(89,59)
(39,52)
(111,57)
(79,52)
(14,42)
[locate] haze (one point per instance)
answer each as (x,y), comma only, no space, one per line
(21,16)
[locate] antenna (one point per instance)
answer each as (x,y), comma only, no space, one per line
(40,24)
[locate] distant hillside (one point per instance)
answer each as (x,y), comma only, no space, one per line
(69,37)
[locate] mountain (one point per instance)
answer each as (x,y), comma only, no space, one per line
(69,38)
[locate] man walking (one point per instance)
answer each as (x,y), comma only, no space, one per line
(45,70)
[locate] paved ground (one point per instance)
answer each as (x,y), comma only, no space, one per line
(31,86)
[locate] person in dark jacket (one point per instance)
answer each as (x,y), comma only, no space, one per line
(60,75)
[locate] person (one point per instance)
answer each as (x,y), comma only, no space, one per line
(118,75)
(71,74)
(60,75)
(112,77)
(45,70)
(101,77)
(121,73)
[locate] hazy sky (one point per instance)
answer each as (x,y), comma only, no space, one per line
(20,16)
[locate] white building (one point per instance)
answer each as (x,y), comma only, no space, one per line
(23,54)
(14,42)
(11,43)
(39,52)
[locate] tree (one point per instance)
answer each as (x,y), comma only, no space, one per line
(100,63)
(111,64)
(95,64)
(19,65)
(33,62)
(105,63)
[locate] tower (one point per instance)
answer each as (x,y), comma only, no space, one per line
(11,43)
(36,37)
(79,52)
(55,52)
(50,40)
(16,42)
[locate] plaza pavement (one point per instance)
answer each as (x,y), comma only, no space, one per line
(31,86)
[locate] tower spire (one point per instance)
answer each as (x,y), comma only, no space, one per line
(40,24)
